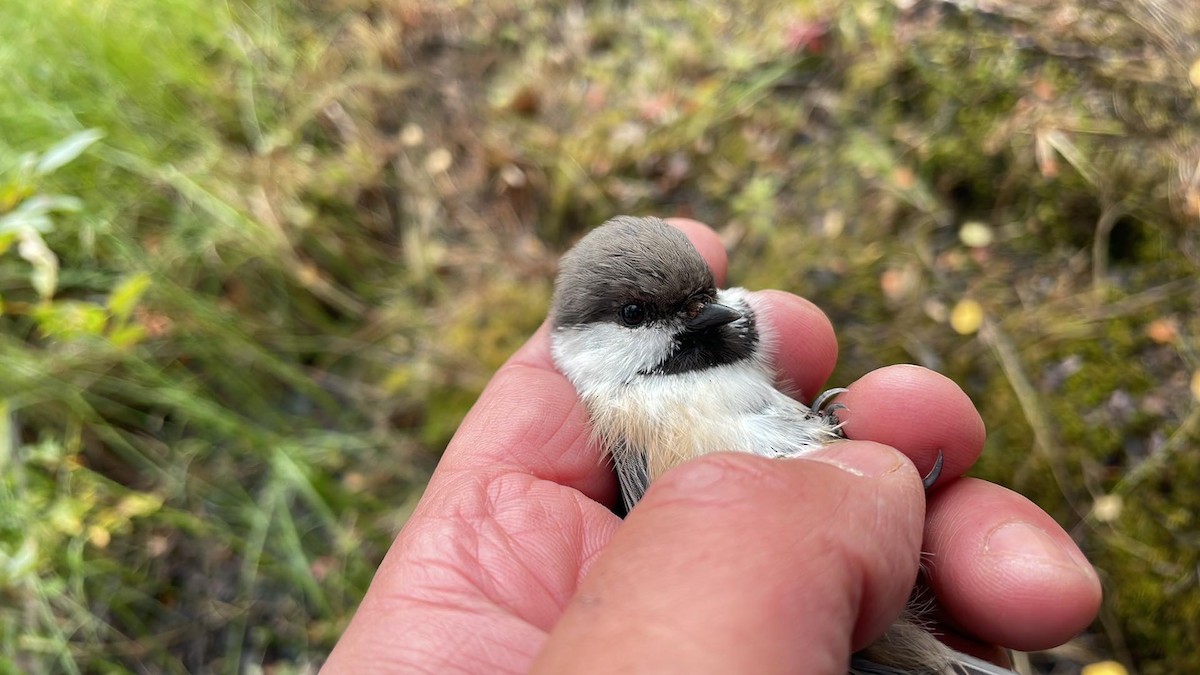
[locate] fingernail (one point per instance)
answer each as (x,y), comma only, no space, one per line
(859,459)
(1019,540)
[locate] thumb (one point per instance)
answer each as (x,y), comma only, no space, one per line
(736,563)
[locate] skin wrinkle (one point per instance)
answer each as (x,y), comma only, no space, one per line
(592,548)
(493,426)
(1001,582)
(675,637)
(456,560)
(442,622)
(477,519)
(457,591)
(846,571)
(884,515)
(570,543)
(498,647)
(509,553)
(484,601)
(691,485)
(685,489)
(476,533)
(574,452)
(954,426)
(841,609)
(437,627)
(574,462)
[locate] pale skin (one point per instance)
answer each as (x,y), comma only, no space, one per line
(513,561)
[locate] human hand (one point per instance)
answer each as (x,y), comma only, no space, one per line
(513,561)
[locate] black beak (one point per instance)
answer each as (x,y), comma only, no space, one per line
(714,314)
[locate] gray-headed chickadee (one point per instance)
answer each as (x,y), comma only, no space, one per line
(670,367)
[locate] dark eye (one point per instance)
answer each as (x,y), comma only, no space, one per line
(633,314)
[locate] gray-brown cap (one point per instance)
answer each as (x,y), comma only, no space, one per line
(628,259)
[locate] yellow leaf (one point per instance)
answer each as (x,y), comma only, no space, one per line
(126,295)
(1196,385)
(1163,331)
(438,161)
(127,336)
(135,505)
(976,234)
(98,536)
(1104,668)
(412,135)
(63,519)
(1194,74)
(966,317)
(69,320)
(398,380)
(1107,508)
(833,224)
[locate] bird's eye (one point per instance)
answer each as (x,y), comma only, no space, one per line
(633,314)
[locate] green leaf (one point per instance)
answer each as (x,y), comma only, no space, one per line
(127,336)
(125,297)
(32,213)
(19,565)
(67,150)
(70,320)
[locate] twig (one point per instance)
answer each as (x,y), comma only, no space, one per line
(1045,441)
(1158,460)
(1101,243)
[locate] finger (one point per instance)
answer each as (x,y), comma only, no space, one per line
(800,341)
(1004,571)
(918,412)
(722,568)
(529,418)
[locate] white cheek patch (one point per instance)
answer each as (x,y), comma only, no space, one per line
(740,298)
(605,354)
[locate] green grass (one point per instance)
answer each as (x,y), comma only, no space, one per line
(195,475)
(309,233)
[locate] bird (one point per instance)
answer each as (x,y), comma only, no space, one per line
(669,367)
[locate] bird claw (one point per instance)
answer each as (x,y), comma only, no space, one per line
(934,473)
(826,396)
(822,406)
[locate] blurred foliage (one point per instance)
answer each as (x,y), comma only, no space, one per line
(264,290)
